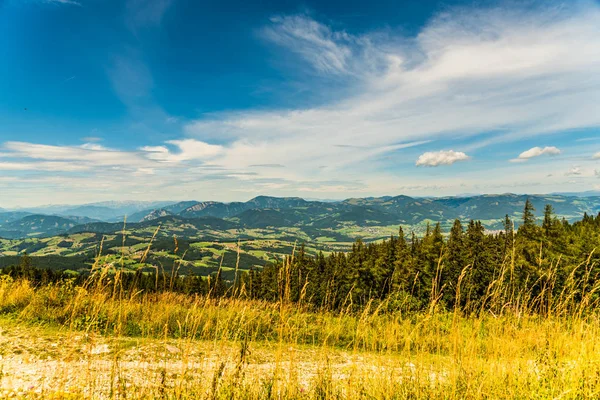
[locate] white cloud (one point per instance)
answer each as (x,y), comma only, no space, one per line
(187,162)
(93,146)
(188,149)
(326,50)
(597,156)
(597,173)
(155,149)
(536,152)
(437,158)
(506,74)
(42,166)
(91,154)
(195,149)
(574,171)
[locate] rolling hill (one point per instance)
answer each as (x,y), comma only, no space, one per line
(299,217)
(204,236)
(39,226)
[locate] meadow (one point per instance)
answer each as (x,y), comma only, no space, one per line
(101,341)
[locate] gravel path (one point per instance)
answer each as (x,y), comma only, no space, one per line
(38,362)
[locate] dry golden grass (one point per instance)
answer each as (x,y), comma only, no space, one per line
(61,341)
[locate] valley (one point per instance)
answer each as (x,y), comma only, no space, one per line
(201,237)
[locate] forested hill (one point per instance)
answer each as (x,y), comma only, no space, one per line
(535,264)
(531,266)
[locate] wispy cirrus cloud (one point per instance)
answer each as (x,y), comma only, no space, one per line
(91,139)
(143,13)
(326,50)
(131,78)
(132,82)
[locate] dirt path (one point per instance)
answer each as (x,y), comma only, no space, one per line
(42,362)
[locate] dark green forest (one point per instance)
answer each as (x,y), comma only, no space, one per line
(466,267)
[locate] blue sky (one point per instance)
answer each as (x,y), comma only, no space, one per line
(225,100)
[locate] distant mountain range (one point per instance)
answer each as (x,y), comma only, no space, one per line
(104,211)
(13,226)
(589,193)
(313,218)
(373,210)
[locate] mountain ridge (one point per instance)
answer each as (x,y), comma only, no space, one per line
(312,217)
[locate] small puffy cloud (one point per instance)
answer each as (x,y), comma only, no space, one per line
(443,157)
(574,171)
(536,152)
(597,156)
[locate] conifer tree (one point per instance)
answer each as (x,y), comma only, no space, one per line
(456,260)
(509,231)
(402,265)
(548,224)
(528,215)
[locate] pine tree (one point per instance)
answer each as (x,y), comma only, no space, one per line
(548,224)
(456,260)
(479,258)
(402,265)
(528,229)
(25,261)
(25,268)
(508,226)
(528,215)
(509,232)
